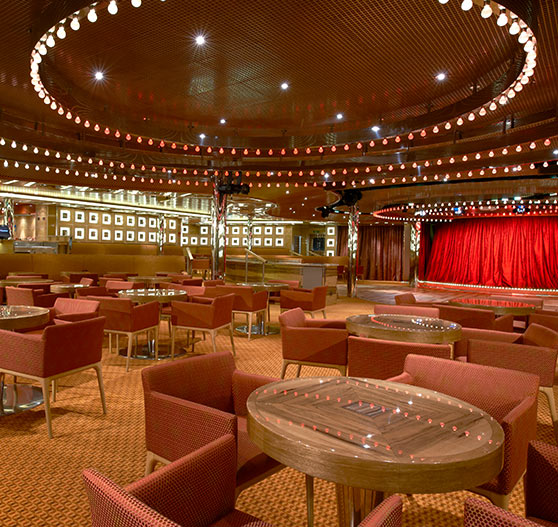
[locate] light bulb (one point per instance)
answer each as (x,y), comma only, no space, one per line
(50,42)
(523,37)
(74,24)
(112,7)
(466,5)
(486,10)
(502,19)
(136,3)
(529,46)
(514,28)
(492,106)
(92,15)
(42,49)
(503,100)
(61,32)
(443,1)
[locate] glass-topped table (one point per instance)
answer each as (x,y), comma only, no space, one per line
(20,397)
(15,283)
(151,281)
(142,296)
(66,288)
(406,328)
(378,435)
(500,307)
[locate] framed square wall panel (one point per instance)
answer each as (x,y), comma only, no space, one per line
(141,236)
(268,231)
(93,235)
(279,242)
(106,219)
(330,242)
(185,228)
(130,221)
(184,240)
(142,221)
(204,241)
(236,230)
(193,240)
(257,230)
(65,231)
(105,235)
(79,216)
(330,253)
(118,236)
(79,233)
(172,225)
(279,231)
(172,237)
(331,231)
(257,242)
(235,242)
(152,223)
(130,236)
(65,215)
(93,217)
(152,237)
(204,229)
(268,242)
(118,219)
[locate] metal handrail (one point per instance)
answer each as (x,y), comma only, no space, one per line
(263,261)
(189,258)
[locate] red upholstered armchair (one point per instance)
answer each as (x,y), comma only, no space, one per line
(72,310)
(202,314)
(389,513)
(191,402)
(461,346)
(531,359)
(23,296)
(113,286)
(404,299)
(388,309)
(60,350)
(87,281)
(479,513)
(94,291)
(185,280)
(197,490)
(307,342)
(541,484)
(475,318)
(544,319)
(540,335)
(507,395)
(212,283)
(382,359)
(123,318)
(310,301)
(75,278)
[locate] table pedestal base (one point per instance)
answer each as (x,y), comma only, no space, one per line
(147,351)
(258,329)
(354,504)
(18,398)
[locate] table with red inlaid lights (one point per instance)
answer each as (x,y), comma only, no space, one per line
(500,307)
(371,436)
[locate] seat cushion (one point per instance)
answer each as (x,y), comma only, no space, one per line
(251,461)
(240,519)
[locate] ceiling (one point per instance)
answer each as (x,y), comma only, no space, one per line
(373,62)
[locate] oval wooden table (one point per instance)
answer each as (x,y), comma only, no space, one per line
(16,398)
(499,307)
(376,435)
(66,288)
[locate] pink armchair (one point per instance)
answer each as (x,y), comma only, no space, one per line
(205,315)
(185,280)
(382,359)
(113,286)
(94,291)
(405,298)
(191,402)
(531,359)
(508,396)
(475,318)
(123,318)
(59,351)
(389,513)
(388,309)
(23,296)
(305,342)
(212,283)
(544,319)
(540,335)
(461,346)
(197,490)
(479,513)
(541,484)
(72,310)
(87,281)
(310,301)
(75,277)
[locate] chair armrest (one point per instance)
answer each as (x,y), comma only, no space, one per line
(201,300)
(301,289)
(259,300)
(200,486)
(389,513)
(175,427)
(520,427)
(541,484)
(145,315)
(504,323)
(243,384)
(74,317)
(326,323)
(403,378)
(294,294)
(22,353)
(479,513)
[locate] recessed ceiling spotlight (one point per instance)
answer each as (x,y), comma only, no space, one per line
(223,121)
(441,77)
(285,86)
(200,40)
(202,136)
(99,75)
(339,116)
(375,128)
(555,152)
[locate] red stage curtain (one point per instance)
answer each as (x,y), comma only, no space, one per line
(380,251)
(509,252)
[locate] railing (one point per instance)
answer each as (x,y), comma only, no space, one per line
(189,258)
(263,261)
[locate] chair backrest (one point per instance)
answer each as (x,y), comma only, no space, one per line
(72,345)
(291,283)
(537,335)
(77,305)
(319,296)
(189,281)
(213,283)
(467,317)
(117,311)
(242,295)
(479,513)
(86,281)
(192,290)
(388,309)
(223,307)
(460,347)
(30,276)
(92,291)
(118,285)
(206,379)
(293,318)
(494,390)
(19,296)
(405,298)
(541,483)
(382,359)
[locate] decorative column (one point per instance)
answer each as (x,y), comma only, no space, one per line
(218,232)
(352,242)
(8,216)
(414,250)
(161,227)
(250,233)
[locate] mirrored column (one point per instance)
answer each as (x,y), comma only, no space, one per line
(352,241)
(218,232)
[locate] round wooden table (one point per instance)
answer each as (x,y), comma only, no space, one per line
(377,435)
(16,398)
(405,328)
(499,307)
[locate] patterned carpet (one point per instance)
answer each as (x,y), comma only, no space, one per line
(41,478)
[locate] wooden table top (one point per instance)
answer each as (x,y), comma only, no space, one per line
(500,307)
(20,317)
(151,279)
(4,283)
(142,296)
(64,288)
(375,434)
(264,286)
(405,328)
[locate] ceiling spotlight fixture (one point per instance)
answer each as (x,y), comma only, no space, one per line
(555,152)
(74,24)
(514,28)
(285,86)
(466,5)
(223,121)
(339,116)
(202,136)
(486,10)
(136,3)
(503,18)
(99,75)
(61,32)
(375,128)
(112,7)
(200,40)
(92,15)
(441,77)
